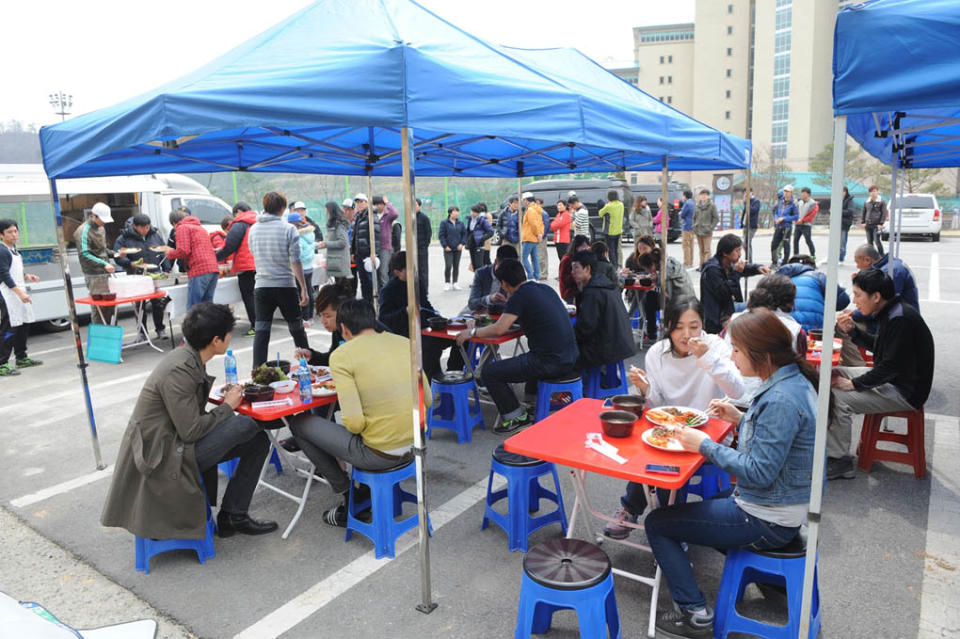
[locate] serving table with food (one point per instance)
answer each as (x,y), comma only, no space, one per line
(592,436)
(101,300)
(272,395)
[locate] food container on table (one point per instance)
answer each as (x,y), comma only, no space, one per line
(131,285)
(645,281)
(108,297)
(816,334)
(618,423)
(629,280)
(437,323)
(282,364)
(457,323)
(258,393)
(285,386)
(629,403)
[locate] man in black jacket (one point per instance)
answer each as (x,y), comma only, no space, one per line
(424,235)
(485,289)
(720,282)
(393,315)
(361,245)
(603,331)
(138,234)
(902,373)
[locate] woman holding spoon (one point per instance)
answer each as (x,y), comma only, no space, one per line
(773,465)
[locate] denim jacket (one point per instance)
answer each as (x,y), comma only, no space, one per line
(774,461)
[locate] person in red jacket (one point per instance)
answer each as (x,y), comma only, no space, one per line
(218,237)
(808,212)
(560,225)
(235,244)
(193,245)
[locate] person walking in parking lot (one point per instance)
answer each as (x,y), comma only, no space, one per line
(784,216)
(612,216)
(530,236)
(808,208)
(874,215)
(561,229)
(750,220)
(542,246)
(580,216)
(16,308)
(452,236)
(686,227)
(508,223)
(705,220)
(236,245)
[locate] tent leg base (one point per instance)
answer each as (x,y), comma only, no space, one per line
(426,609)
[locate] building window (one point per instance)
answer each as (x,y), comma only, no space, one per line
(661,79)
(666,36)
(729,73)
(729,51)
(781,64)
(778,151)
(781,109)
(779,132)
(669,79)
(729,30)
(728,93)
(726,115)
(661,59)
(633,178)
(781,42)
(781,88)
(669,99)
(784,3)
(729,8)
(784,19)
(670,59)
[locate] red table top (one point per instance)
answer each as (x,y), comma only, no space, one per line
(638,287)
(452,334)
(270,414)
(560,439)
(815,357)
(120,300)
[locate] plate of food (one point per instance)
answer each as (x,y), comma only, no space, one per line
(662,437)
(324,388)
(129,251)
(673,416)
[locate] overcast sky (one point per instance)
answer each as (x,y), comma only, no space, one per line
(104,51)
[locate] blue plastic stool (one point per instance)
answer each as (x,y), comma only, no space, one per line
(147,548)
(547,389)
(635,320)
(523,494)
(474,351)
(452,407)
(713,481)
(568,574)
(606,381)
(229,467)
(386,504)
(781,566)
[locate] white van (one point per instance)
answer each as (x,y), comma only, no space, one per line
(25,197)
(921,216)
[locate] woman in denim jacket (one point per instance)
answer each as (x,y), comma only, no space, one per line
(773,465)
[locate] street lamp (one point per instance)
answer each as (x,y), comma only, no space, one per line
(61,103)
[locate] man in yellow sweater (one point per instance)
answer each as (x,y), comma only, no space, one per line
(372,374)
(531,230)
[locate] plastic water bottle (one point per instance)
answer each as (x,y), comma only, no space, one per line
(230,368)
(303,381)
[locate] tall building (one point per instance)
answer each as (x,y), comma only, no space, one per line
(755,68)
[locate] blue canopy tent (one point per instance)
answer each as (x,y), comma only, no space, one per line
(377,88)
(896,90)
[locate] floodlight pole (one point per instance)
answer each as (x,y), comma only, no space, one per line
(72,307)
(426,605)
(664,235)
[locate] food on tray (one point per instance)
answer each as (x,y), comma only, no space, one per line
(265,375)
(319,373)
(326,385)
(676,416)
(661,435)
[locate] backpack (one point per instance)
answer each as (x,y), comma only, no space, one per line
(874,212)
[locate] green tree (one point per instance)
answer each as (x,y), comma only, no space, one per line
(859,167)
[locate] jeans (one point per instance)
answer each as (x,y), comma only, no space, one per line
(306,312)
(843,243)
(384,271)
(613,245)
(874,237)
(268,299)
(718,523)
(531,260)
(200,288)
(497,375)
(246,280)
(239,436)
(561,249)
(748,246)
(781,238)
(451,265)
(882,399)
(12,338)
(803,230)
(423,268)
(325,442)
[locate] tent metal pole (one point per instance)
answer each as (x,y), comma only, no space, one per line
(746,229)
(373,242)
(71,305)
(823,397)
(664,234)
(894,176)
(426,605)
(900,215)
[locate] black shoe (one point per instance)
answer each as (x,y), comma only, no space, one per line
(336,516)
(840,468)
(290,444)
(228,524)
(685,625)
(507,426)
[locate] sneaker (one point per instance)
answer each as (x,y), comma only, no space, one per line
(447,286)
(250,333)
(456,287)
(840,468)
(7,371)
(27,362)
(290,444)
(685,624)
(336,516)
(161,333)
(306,325)
(617,530)
(507,426)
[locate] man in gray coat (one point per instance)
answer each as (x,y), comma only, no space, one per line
(171,440)
(705,220)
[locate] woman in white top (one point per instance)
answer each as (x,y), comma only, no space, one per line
(688,368)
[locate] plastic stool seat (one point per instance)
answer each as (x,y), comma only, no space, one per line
(523,494)
(606,381)
(781,566)
(547,389)
(145,548)
(871,434)
(565,574)
(452,406)
(386,505)
(713,481)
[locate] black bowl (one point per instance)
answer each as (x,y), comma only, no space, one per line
(645,281)
(258,393)
(816,334)
(629,403)
(437,323)
(283,365)
(618,423)
(629,280)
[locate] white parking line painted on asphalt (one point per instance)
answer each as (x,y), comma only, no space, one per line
(939,302)
(939,614)
(59,489)
(319,595)
(933,288)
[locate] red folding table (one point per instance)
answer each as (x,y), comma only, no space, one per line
(138,310)
(492,344)
(560,439)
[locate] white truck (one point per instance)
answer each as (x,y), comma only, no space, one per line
(25,198)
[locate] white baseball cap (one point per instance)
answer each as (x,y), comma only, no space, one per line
(360,196)
(527,195)
(788,187)
(299,205)
(347,203)
(102,211)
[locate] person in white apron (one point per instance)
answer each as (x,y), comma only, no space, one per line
(17,311)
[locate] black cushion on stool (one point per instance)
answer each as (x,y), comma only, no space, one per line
(403,462)
(569,379)
(567,564)
(513,459)
(794,550)
(452,377)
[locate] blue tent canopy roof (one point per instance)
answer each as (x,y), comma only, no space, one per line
(328,89)
(897,73)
